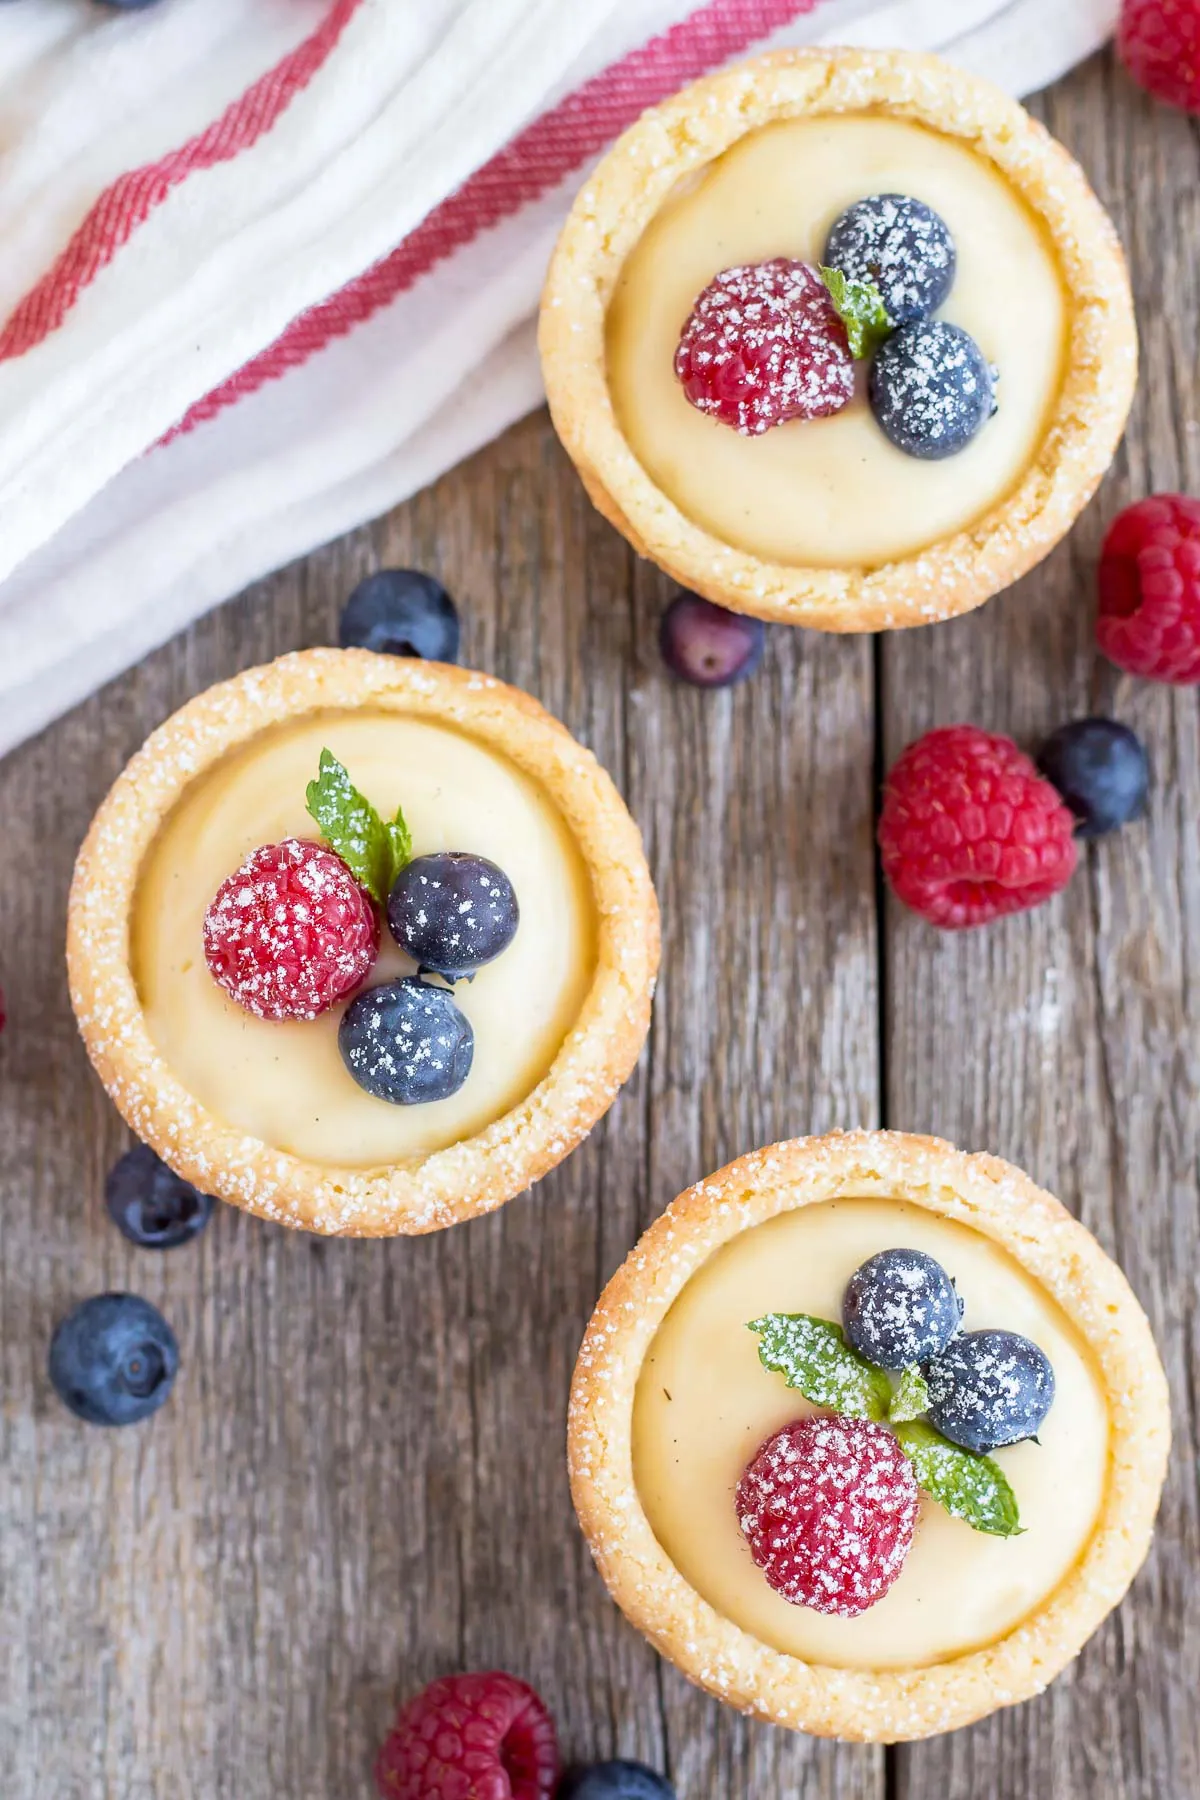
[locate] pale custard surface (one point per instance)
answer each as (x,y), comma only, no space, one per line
(704,1405)
(286,1083)
(834,492)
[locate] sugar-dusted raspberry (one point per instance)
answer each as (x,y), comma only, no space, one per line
(764,345)
(470,1737)
(970,831)
(1159,43)
(291,932)
(828,1508)
(1149,579)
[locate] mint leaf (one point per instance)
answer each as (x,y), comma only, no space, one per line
(373,850)
(859,305)
(910,1399)
(969,1487)
(813,1355)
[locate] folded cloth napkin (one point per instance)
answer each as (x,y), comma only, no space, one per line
(271,265)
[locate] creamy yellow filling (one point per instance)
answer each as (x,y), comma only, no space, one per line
(705,1404)
(834,492)
(286,1083)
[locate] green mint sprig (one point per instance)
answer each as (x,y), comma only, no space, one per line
(970,1487)
(373,849)
(910,1399)
(813,1356)
(859,305)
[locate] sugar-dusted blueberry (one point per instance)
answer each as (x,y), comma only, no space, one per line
(1101,770)
(113,1360)
(401,612)
(453,912)
(407,1042)
(708,646)
(988,1389)
(900,1308)
(931,389)
(617,1780)
(151,1205)
(901,245)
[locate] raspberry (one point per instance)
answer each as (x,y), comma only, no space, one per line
(470,1737)
(828,1508)
(764,345)
(1149,580)
(291,932)
(970,831)
(1159,42)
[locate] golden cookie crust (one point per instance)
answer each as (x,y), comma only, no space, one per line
(673,140)
(470,1177)
(993,1198)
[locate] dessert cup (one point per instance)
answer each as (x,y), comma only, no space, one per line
(265,1115)
(823,522)
(670,1402)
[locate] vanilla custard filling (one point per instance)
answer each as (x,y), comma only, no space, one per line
(704,1405)
(834,492)
(286,1084)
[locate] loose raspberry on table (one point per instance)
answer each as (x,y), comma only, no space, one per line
(828,1508)
(1159,43)
(291,932)
(470,1737)
(764,344)
(1149,580)
(970,831)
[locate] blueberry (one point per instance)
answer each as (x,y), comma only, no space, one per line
(931,389)
(401,612)
(900,1308)
(151,1205)
(707,645)
(113,1360)
(615,1781)
(901,245)
(989,1388)
(453,912)
(407,1042)
(1101,770)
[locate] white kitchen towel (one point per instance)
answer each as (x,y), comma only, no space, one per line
(271,265)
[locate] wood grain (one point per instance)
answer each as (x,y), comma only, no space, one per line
(360,1482)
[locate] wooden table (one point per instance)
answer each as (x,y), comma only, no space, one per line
(359,1482)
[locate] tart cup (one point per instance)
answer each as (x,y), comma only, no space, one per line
(669,144)
(474,1175)
(1002,1204)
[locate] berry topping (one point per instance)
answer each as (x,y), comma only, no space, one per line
(407,1042)
(1100,769)
(931,389)
(989,1388)
(453,912)
(1149,580)
(401,612)
(291,932)
(615,1781)
(764,344)
(113,1360)
(900,1308)
(970,831)
(828,1508)
(154,1208)
(707,645)
(470,1737)
(902,246)
(1159,43)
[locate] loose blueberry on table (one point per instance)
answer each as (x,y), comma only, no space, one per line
(829,1504)
(1101,770)
(401,612)
(296,931)
(617,1780)
(113,1360)
(151,1205)
(706,645)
